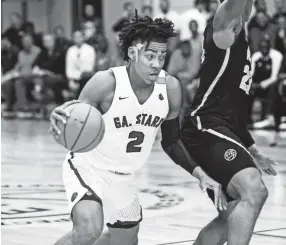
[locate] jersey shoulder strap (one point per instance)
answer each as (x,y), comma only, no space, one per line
(122,79)
(162,77)
(120,73)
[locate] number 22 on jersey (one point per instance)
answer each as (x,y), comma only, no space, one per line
(246,80)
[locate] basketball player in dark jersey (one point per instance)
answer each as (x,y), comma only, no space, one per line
(214,130)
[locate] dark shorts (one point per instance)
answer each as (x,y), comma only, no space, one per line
(218,151)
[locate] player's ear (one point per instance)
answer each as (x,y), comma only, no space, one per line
(133,53)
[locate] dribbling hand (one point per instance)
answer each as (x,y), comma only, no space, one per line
(60,115)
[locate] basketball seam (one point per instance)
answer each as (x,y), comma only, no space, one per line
(65,140)
(93,139)
(81,128)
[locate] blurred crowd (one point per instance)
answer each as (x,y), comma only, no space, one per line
(43,68)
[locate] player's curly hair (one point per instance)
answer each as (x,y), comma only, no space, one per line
(145,29)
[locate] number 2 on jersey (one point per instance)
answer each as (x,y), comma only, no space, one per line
(134,145)
(246,79)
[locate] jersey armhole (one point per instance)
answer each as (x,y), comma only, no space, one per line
(114,94)
(209,39)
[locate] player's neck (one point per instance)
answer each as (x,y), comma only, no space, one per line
(136,81)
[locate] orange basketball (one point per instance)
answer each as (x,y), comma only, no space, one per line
(84,128)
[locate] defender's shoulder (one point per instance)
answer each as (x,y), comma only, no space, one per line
(174,93)
(172,82)
(174,90)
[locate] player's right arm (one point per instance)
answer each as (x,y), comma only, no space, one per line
(100,87)
(227,17)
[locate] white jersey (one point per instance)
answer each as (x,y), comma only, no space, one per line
(130,128)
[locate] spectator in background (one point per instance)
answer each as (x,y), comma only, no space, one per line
(260,6)
(62,43)
(49,67)
(265,67)
(280,40)
(128,13)
(277,100)
(25,83)
(167,13)
(90,34)
(147,10)
(196,41)
(212,7)
(9,57)
(80,62)
(184,66)
(265,29)
(199,14)
(29,29)
(90,15)
(103,59)
(14,33)
(280,10)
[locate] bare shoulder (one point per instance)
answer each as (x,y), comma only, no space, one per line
(101,85)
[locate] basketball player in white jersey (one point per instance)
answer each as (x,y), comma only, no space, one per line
(134,101)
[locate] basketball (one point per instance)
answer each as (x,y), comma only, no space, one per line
(84,128)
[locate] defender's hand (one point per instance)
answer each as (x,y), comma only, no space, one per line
(265,164)
(60,115)
(207,182)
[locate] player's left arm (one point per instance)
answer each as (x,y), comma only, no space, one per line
(175,149)
(247,10)
(276,58)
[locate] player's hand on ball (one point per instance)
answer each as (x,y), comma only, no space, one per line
(265,164)
(60,115)
(207,182)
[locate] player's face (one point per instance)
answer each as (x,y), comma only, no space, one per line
(150,61)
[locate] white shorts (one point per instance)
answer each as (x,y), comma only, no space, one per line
(117,192)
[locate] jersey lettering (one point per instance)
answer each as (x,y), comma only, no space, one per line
(142,119)
(246,80)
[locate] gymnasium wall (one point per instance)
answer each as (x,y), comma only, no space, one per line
(48,13)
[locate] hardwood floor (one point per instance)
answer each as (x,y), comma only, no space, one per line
(34,209)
